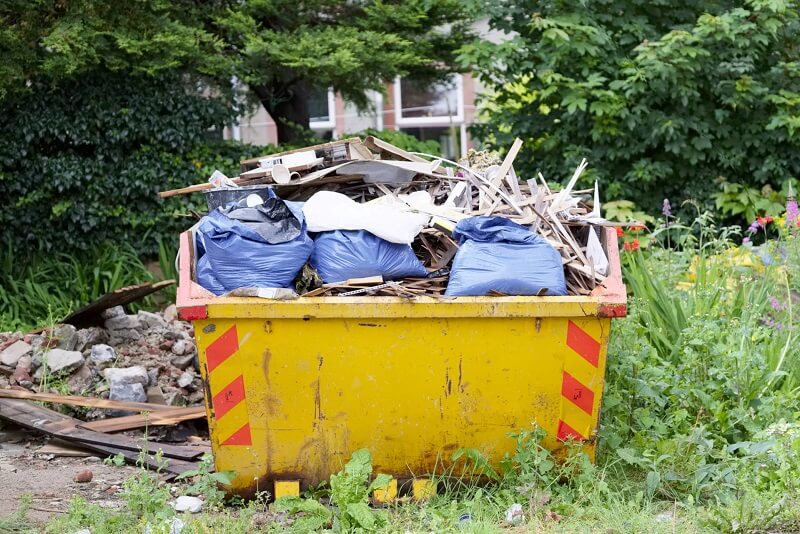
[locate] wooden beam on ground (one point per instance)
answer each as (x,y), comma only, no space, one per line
(89,402)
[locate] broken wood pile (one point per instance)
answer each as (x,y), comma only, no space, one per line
(446,191)
(97,436)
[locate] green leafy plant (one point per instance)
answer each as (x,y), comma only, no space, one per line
(662,99)
(350,491)
(206,482)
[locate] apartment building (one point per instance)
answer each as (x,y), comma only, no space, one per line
(442,112)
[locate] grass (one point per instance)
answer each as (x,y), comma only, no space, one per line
(41,289)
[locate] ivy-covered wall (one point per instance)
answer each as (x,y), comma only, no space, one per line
(82,162)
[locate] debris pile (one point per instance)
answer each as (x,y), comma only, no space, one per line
(388,222)
(143,357)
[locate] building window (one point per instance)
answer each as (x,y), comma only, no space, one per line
(322,110)
(439,104)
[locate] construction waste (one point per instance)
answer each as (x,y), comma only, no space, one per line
(355,217)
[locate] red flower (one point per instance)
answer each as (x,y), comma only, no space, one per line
(620,233)
(635,244)
(763,221)
(637,227)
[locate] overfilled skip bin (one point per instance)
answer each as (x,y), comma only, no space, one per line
(294,387)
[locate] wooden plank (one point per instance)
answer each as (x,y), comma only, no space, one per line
(89,402)
(50,422)
(382,147)
(89,315)
(160,418)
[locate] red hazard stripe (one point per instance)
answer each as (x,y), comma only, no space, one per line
(222,348)
(580,395)
(582,343)
(230,396)
(240,437)
(566,432)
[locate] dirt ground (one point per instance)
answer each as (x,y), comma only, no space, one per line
(28,469)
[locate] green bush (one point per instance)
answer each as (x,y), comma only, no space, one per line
(665,98)
(82,162)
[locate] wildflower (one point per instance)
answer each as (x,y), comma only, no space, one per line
(620,233)
(745,241)
(776,304)
(763,221)
(637,227)
(753,228)
(666,208)
(631,245)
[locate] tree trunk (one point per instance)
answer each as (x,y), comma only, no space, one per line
(288,107)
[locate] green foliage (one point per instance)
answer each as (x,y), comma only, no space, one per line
(18,522)
(281,49)
(742,201)
(39,288)
(206,481)
(82,163)
(663,98)
(350,491)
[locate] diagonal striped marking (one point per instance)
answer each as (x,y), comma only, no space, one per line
(582,343)
(222,348)
(229,397)
(240,437)
(566,432)
(580,395)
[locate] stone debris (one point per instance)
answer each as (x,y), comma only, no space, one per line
(128,375)
(66,337)
(102,353)
(58,362)
(11,355)
(128,356)
(83,476)
(186,503)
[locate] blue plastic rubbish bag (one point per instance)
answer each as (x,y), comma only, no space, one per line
(261,246)
(497,254)
(345,254)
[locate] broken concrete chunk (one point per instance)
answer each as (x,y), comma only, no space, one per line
(66,336)
(118,376)
(170,313)
(186,503)
(59,361)
(81,380)
(186,379)
(119,337)
(123,322)
(102,353)
(128,392)
(22,373)
(183,362)
(152,320)
(182,347)
(89,337)
(116,311)
(11,355)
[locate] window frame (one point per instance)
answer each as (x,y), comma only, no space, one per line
(329,124)
(444,120)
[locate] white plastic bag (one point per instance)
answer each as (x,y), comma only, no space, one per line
(326,211)
(595,253)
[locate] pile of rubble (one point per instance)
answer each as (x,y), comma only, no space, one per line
(146,357)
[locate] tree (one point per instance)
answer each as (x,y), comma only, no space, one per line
(663,97)
(281,49)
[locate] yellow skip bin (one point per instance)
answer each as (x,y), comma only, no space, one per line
(293,388)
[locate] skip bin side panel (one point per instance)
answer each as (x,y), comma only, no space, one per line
(293,398)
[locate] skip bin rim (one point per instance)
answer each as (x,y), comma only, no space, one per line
(608,299)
